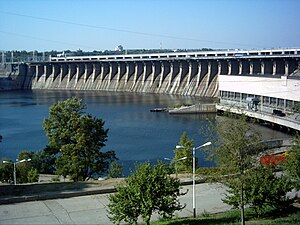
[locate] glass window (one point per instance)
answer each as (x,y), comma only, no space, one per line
(266,100)
(280,102)
(244,96)
(273,101)
(289,104)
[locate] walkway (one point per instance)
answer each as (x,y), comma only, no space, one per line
(91,209)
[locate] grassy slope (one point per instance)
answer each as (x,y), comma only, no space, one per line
(233,217)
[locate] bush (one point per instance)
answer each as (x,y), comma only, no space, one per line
(32,175)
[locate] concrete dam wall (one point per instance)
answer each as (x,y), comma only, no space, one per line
(189,73)
(167,77)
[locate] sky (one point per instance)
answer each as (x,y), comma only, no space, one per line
(45,25)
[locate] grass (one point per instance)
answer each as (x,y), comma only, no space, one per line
(292,216)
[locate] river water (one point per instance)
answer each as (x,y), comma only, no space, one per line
(135,133)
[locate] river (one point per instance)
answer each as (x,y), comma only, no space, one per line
(135,133)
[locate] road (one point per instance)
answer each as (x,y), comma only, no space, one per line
(91,209)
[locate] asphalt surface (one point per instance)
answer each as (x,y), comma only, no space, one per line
(91,209)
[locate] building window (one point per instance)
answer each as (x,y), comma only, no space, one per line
(231,95)
(273,101)
(280,103)
(266,100)
(289,104)
(244,96)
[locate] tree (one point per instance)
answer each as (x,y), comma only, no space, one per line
(44,161)
(292,164)
(75,139)
(6,171)
(32,175)
(184,165)
(236,145)
(115,171)
(23,168)
(263,191)
(150,189)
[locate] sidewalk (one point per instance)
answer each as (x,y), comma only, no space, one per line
(91,209)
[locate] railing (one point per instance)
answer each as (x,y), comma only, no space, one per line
(266,53)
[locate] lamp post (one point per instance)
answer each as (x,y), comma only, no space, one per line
(194,170)
(183,158)
(15,163)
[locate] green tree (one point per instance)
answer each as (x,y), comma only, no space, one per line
(264,191)
(115,171)
(44,161)
(184,165)
(6,171)
(292,164)
(32,175)
(150,189)
(236,145)
(22,169)
(75,139)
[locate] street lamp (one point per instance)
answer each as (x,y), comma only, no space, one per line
(15,163)
(194,170)
(176,161)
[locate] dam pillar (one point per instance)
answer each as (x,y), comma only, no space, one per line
(233,67)
(39,71)
(171,73)
(175,66)
(222,67)
(121,70)
(244,67)
(146,72)
(290,67)
(165,70)
(63,71)
(184,69)
(113,69)
(193,70)
(255,67)
(96,71)
(54,72)
(104,70)
(47,70)
(212,70)
(71,72)
(139,70)
(202,71)
(80,68)
(88,69)
(274,68)
(156,70)
(279,67)
(130,66)
(266,67)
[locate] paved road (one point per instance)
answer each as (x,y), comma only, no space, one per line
(92,209)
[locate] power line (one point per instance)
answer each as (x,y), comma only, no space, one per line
(126,31)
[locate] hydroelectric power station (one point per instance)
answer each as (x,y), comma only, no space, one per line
(256,82)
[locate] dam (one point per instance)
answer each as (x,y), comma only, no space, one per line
(187,73)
